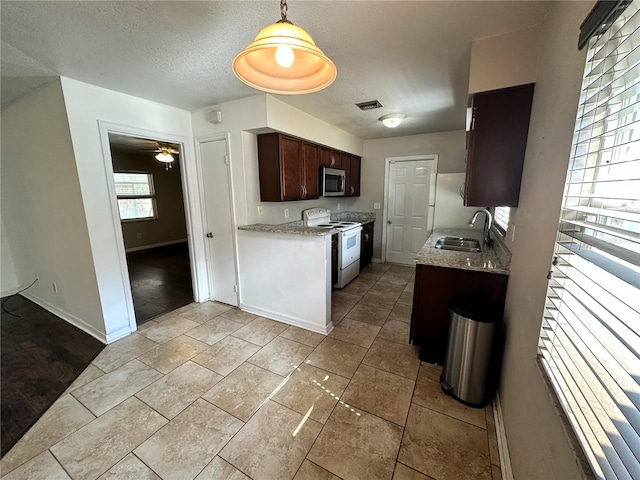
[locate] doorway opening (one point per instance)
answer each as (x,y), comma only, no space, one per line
(149,193)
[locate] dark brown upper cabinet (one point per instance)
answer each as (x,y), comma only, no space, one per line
(351,167)
(354,180)
(330,158)
(497,144)
(288,168)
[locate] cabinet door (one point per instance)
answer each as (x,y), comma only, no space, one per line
(346,166)
(355,176)
(330,158)
(366,249)
(435,287)
(497,144)
(290,168)
(310,156)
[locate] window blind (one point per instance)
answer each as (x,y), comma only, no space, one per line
(501,217)
(590,336)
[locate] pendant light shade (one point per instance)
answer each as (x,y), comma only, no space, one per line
(284,59)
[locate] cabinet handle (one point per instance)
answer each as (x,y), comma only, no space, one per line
(301,191)
(305,191)
(366,237)
(333,161)
(352,190)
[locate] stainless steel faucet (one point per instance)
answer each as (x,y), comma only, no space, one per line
(487,226)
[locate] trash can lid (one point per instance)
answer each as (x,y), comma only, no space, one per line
(475,307)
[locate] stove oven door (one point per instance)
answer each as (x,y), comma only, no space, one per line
(349,256)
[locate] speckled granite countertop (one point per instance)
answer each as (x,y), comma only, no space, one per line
(362,217)
(294,228)
(494,259)
(297,228)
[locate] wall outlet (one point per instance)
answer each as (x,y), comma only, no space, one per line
(54,285)
(286,213)
(376,206)
(339,206)
(139,236)
(259,209)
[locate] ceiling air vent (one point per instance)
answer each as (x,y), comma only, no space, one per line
(370,105)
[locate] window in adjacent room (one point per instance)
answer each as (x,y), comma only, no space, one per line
(590,338)
(136,196)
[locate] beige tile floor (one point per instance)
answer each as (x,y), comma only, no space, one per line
(211,392)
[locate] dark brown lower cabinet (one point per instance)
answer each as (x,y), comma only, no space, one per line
(434,289)
(366,245)
(334,259)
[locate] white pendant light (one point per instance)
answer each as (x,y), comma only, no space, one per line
(392,120)
(284,59)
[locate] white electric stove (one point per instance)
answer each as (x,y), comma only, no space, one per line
(349,234)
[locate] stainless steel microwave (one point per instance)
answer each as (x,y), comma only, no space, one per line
(333,180)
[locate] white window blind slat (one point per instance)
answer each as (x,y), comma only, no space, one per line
(590,334)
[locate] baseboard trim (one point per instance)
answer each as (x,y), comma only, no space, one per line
(501,434)
(289,320)
(376,260)
(8,293)
(68,317)
(154,245)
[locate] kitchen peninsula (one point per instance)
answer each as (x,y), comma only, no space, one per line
(285,271)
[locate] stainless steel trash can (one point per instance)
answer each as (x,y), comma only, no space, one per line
(472,323)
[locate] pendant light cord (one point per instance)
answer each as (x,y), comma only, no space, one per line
(283,9)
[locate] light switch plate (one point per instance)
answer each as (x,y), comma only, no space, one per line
(376,206)
(259,209)
(286,213)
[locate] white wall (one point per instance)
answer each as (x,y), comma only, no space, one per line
(450,147)
(538,445)
(8,279)
(86,106)
(504,60)
(243,119)
(287,277)
(42,210)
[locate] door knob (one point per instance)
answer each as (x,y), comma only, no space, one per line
(389,222)
(209,235)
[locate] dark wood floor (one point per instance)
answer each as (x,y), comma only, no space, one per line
(160,280)
(41,356)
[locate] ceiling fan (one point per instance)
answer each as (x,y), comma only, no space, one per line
(165,155)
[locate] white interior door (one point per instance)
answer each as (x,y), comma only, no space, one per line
(219,225)
(410,204)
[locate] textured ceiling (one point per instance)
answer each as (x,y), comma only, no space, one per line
(412,56)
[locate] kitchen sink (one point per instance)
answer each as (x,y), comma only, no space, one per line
(458,244)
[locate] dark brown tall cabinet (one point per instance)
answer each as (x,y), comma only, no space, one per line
(497,144)
(288,168)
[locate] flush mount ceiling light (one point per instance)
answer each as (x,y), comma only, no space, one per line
(392,120)
(284,59)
